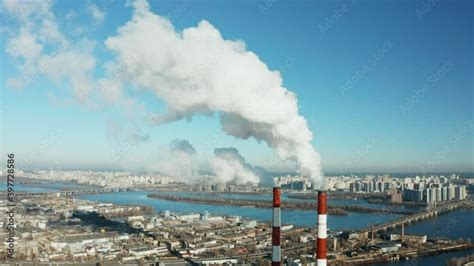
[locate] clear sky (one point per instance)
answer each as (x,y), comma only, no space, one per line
(386,86)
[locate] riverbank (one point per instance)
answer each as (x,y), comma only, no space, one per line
(342,210)
(372,198)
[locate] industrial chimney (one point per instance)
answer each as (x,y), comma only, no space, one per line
(322,229)
(276,223)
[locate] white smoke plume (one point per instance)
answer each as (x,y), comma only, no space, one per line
(229,166)
(177,160)
(196,71)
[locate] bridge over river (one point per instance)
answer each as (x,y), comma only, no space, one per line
(416,217)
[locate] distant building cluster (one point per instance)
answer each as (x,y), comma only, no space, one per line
(435,193)
(208,183)
(295,183)
(371,186)
(424,189)
(123,179)
(99,178)
(433,189)
(469,181)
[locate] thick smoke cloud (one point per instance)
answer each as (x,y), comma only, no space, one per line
(182,145)
(196,71)
(229,166)
(178,161)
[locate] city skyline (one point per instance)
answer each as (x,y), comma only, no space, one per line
(396,98)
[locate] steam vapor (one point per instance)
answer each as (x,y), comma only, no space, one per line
(178,160)
(229,166)
(196,71)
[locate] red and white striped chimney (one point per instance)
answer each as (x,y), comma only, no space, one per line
(322,229)
(276,223)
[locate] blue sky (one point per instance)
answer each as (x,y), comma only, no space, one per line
(411,93)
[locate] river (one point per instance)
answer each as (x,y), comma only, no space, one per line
(296,217)
(286,197)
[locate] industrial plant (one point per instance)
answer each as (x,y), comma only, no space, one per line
(68,225)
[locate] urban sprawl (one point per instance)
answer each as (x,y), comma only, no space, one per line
(58,226)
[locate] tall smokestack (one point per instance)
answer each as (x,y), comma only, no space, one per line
(322,229)
(276,223)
